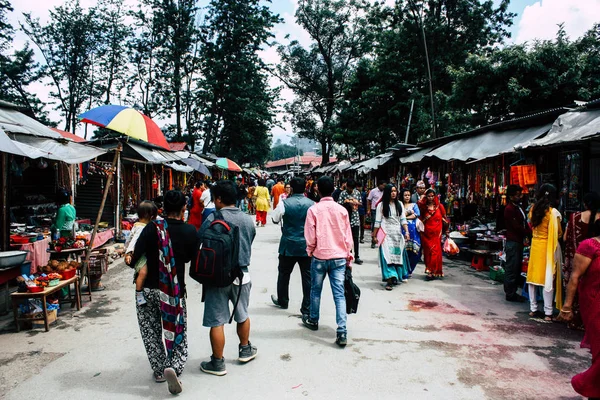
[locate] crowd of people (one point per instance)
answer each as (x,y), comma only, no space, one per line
(322,228)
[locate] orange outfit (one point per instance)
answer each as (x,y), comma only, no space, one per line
(276,192)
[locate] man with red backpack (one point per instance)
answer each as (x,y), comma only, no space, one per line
(229,222)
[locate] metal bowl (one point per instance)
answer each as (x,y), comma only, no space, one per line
(12,258)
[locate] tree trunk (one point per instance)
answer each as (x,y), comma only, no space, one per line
(324,152)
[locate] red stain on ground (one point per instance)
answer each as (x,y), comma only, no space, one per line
(418,305)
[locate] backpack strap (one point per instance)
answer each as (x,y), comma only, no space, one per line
(237,300)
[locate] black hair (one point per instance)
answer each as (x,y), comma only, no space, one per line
(386,199)
(313,185)
(343,180)
(546,198)
(225,191)
(359,184)
(351,183)
(591,201)
(512,190)
(199,184)
(62,197)
(147,209)
(298,184)
(325,185)
(401,194)
(174,201)
(262,182)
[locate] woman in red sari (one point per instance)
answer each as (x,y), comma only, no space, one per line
(433,215)
(577,231)
(195,213)
(585,280)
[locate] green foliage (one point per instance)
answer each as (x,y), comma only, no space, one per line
(67,43)
(281,151)
(521,79)
(238,104)
(341,33)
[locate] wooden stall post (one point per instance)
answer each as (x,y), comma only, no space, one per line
(84,270)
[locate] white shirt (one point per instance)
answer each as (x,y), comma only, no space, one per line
(279,212)
(207,199)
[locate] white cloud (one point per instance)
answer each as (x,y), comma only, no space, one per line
(540,20)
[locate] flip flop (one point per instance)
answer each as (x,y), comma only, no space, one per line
(172,380)
(388,287)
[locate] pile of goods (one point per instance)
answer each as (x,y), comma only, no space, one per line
(49,275)
(67,243)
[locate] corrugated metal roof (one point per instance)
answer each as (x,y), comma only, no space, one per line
(571,127)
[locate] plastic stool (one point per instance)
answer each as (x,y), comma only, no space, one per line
(480,262)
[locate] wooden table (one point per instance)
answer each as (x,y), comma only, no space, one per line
(17,297)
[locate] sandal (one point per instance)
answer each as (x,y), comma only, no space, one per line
(429,278)
(388,287)
(158,377)
(548,318)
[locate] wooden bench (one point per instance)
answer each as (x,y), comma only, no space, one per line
(16,298)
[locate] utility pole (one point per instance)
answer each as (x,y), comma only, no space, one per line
(434,130)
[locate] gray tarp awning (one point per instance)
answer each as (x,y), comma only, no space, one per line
(488,144)
(7,145)
(179,167)
(573,126)
(415,156)
(154,156)
(373,163)
(59,150)
(13,121)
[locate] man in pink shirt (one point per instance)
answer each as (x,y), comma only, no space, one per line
(329,242)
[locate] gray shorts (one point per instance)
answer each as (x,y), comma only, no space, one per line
(216,304)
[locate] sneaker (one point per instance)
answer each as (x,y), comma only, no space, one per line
(140,299)
(275,301)
(247,353)
(214,366)
(358,261)
(159,377)
(173,381)
(341,340)
(313,326)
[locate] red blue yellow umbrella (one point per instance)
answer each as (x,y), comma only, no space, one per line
(226,163)
(128,121)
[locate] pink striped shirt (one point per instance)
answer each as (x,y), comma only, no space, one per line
(327,231)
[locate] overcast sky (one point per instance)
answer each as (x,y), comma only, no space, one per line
(535,19)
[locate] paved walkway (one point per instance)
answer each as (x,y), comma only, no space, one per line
(450,339)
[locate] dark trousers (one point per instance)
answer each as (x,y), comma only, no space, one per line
(512,267)
(286,266)
(362,227)
(355,237)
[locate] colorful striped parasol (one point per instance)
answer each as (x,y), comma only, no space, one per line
(226,163)
(127,121)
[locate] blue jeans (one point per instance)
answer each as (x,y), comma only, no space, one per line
(336,270)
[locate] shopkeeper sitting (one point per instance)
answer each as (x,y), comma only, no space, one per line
(65,217)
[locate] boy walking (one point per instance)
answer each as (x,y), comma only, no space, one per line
(216,305)
(329,243)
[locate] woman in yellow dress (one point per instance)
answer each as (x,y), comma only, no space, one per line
(263,202)
(545,257)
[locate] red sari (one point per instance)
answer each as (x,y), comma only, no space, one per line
(431,242)
(195,214)
(587,383)
(577,231)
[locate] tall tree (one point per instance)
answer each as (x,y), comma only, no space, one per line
(112,51)
(176,27)
(67,44)
(145,82)
(239,104)
(340,35)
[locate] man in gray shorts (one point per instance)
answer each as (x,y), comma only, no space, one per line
(216,299)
